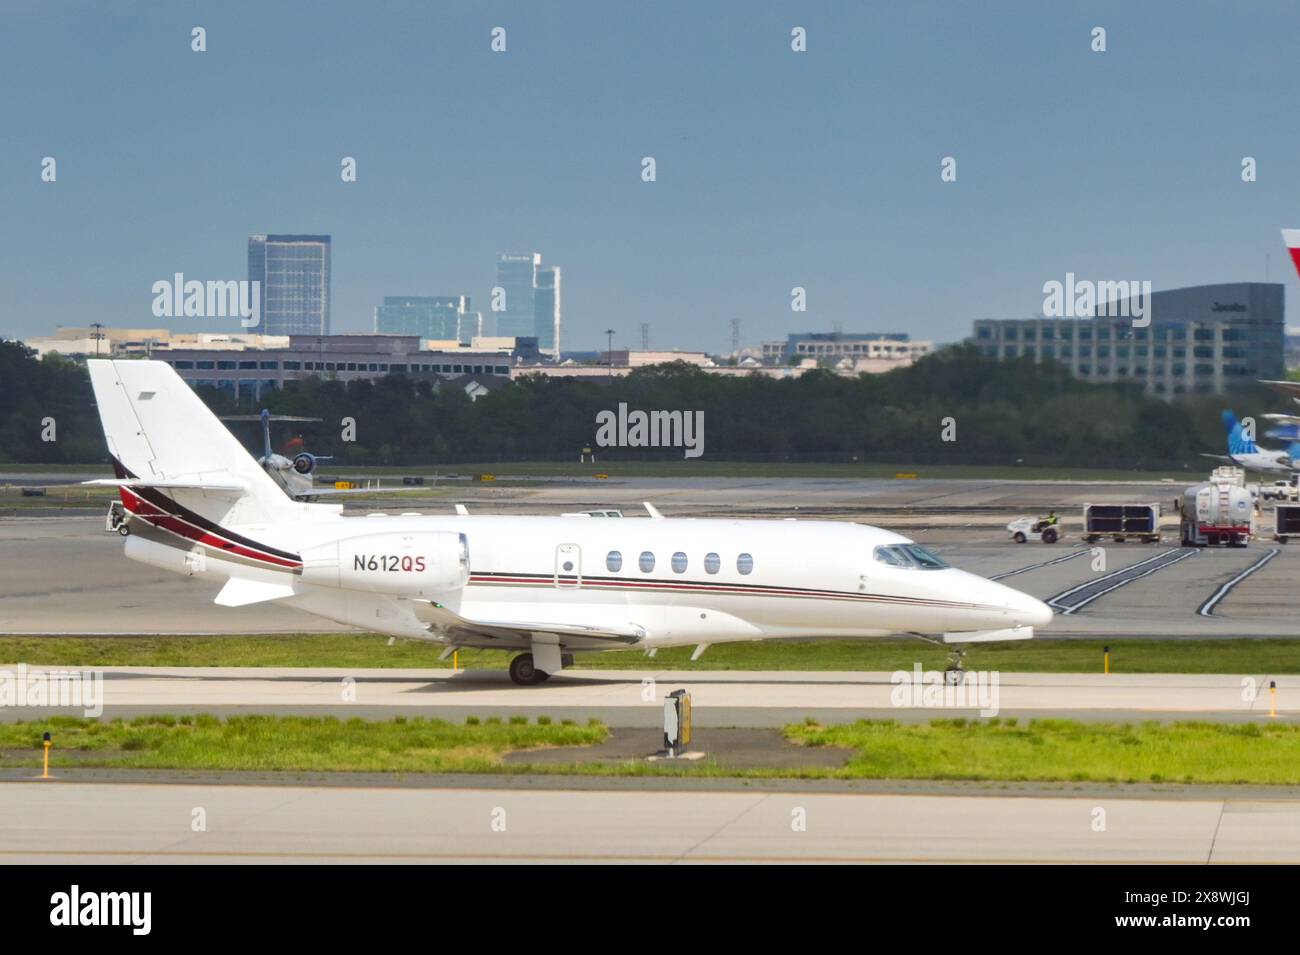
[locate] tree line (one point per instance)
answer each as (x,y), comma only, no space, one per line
(990,412)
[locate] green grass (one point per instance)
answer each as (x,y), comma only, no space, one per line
(349,650)
(994,750)
(61,495)
(1066,751)
(289,743)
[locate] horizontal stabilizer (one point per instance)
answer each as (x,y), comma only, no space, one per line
(334,491)
(239,592)
(990,636)
(228,485)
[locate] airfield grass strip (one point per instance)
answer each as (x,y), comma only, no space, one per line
(993,750)
(365,651)
(289,743)
(1066,750)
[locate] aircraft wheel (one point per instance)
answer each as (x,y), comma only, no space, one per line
(953,676)
(523,673)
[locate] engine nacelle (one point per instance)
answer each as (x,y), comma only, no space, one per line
(304,463)
(420,564)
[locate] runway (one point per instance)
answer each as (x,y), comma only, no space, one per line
(68,822)
(635,698)
(62,574)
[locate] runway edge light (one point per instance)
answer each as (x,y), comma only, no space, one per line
(45,772)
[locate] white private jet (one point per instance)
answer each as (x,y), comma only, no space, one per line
(195,502)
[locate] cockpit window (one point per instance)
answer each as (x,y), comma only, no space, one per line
(912,556)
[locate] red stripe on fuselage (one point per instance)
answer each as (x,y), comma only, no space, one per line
(150,513)
(515,580)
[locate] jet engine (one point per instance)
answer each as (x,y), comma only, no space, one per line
(304,463)
(418,564)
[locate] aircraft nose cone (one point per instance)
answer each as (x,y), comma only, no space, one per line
(1030,611)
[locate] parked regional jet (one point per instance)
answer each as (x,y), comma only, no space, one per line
(296,475)
(195,502)
(1245,453)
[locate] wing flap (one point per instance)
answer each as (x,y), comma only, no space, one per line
(456,628)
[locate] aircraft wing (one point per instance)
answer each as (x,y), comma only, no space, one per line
(1290,388)
(1218,457)
(322,491)
(512,634)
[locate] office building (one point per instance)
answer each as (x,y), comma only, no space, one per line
(1199,339)
(855,351)
(294,272)
(442,317)
(531,305)
(546,311)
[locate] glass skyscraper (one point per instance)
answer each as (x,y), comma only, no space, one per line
(441,317)
(546,310)
(532,300)
(517,278)
(294,272)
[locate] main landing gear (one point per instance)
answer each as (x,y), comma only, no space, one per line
(524,673)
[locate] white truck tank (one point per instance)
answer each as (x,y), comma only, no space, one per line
(1217,513)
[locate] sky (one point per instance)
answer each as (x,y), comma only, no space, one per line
(774,168)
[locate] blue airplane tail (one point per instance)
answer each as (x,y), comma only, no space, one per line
(1238,443)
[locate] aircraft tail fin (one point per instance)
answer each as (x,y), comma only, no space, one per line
(165,441)
(1239,441)
(1292,239)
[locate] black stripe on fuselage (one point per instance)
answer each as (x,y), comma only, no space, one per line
(164,503)
(693,586)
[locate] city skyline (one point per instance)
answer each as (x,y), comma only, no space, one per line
(774,169)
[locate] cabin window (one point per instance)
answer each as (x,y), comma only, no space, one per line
(647,562)
(745,564)
(679,563)
(613,562)
(712,563)
(908,556)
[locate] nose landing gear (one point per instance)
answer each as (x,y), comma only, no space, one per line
(955,672)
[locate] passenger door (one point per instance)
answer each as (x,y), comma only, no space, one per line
(568,566)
